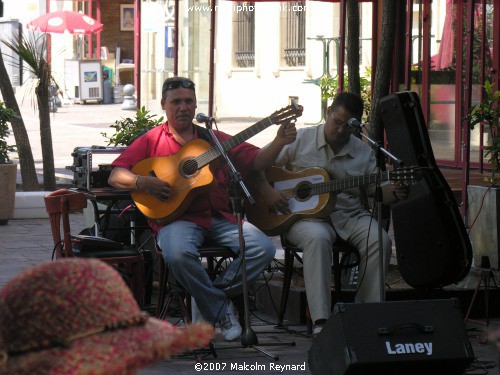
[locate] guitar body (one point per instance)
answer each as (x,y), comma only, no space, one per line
(185,178)
(297,187)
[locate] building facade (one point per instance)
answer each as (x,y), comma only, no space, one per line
(249,58)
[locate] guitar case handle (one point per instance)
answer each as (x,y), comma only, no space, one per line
(397,327)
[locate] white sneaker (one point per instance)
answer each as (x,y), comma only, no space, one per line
(195,312)
(317,328)
(229,326)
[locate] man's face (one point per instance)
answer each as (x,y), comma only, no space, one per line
(180,107)
(337,132)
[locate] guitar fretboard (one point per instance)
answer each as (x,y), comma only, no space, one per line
(228,144)
(336,185)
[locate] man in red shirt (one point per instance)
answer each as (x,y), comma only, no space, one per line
(209,216)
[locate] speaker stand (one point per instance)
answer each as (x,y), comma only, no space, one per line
(484,277)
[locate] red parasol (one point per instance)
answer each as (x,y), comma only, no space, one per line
(62,20)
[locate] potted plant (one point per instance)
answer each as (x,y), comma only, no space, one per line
(484,201)
(8,170)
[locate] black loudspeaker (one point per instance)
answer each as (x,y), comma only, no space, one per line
(402,337)
(432,245)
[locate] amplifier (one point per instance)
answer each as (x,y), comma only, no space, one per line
(399,337)
(90,173)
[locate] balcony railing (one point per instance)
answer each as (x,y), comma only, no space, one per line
(245,59)
(295,56)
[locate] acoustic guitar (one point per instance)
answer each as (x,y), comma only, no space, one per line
(311,194)
(188,171)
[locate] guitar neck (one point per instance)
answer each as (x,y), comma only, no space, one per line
(337,185)
(214,152)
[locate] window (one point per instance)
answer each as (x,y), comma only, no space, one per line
(244,31)
(293,33)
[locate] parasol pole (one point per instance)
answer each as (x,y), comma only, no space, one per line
(48,37)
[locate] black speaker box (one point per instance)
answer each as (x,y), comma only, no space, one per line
(401,337)
(432,245)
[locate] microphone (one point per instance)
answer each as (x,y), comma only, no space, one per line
(200,117)
(355,123)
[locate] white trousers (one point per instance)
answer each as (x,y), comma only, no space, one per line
(315,238)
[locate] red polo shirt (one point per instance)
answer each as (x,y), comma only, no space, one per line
(160,142)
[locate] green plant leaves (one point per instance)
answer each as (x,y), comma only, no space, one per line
(488,113)
(6,115)
(330,88)
(128,129)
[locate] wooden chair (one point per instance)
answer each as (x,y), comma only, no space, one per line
(128,260)
(339,263)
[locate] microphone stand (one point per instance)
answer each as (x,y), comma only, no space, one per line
(379,150)
(248,336)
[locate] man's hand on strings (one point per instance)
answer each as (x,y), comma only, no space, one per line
(154,186)
(276,201)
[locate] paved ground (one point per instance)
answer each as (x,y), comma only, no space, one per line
(26,242)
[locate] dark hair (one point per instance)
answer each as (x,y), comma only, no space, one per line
(351,102)
(174,83)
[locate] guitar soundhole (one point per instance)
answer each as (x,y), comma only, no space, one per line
(303,190)
(189,167)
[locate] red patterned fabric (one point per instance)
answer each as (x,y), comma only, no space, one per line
(77,316)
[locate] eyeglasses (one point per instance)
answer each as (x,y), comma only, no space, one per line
(187,84)
(338,121)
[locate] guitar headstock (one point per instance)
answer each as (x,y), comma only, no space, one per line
(287,114)
(407,175)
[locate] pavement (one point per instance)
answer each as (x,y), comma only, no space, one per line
(27,242)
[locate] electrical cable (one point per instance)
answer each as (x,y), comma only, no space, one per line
(481,205)
(61,244)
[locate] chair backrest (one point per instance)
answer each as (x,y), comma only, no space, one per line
(58,205)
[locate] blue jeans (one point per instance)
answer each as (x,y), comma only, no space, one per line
(179,242)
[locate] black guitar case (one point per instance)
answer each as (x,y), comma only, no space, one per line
(432,245)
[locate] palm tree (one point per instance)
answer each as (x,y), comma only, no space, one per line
(33,51)
(26,162)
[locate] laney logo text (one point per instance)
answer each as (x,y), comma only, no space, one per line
(409,348)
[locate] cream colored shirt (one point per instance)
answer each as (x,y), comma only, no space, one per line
(355,159)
